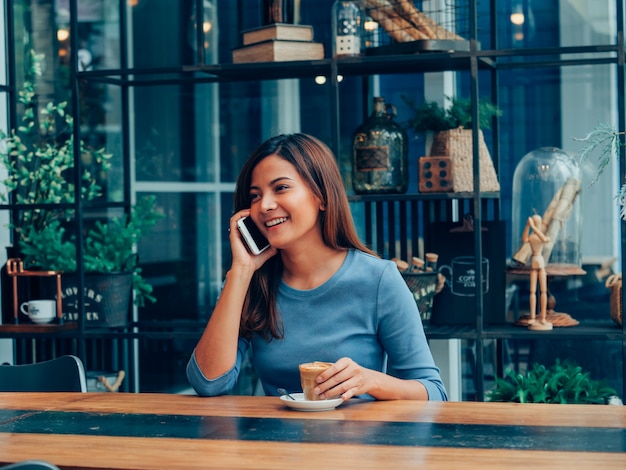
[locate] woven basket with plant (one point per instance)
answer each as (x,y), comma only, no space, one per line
(452,137)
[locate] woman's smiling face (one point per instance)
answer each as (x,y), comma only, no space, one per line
(283,205)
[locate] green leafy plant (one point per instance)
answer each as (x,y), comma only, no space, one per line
(39,159)
(108,247)
(430,116)
(39,156)
(602,144)
(564,382)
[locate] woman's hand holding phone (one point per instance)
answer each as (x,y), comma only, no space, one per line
(252,236)
(241,253)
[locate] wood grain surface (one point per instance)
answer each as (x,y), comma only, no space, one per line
(160,431)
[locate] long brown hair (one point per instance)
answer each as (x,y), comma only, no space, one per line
(317,166)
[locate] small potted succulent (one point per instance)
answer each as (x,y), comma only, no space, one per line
(38,157)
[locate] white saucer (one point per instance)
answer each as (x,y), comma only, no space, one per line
(307,405)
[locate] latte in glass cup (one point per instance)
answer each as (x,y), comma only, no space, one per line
(308,373)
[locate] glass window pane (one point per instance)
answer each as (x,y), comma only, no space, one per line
(101,128)
(174,137)
(181,256)
(98,30)
(167,36)
(524,24)
(553,107)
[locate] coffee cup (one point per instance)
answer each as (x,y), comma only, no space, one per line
(308,375)
(40,311)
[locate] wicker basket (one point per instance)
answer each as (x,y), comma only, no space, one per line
(457,144)
(614,282)
(423,286)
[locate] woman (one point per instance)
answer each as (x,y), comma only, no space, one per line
(317,294)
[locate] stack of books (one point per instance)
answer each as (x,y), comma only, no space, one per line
(278,42)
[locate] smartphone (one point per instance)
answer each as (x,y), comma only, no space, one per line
(252,236)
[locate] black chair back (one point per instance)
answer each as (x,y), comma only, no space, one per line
(30,465)
(63,374)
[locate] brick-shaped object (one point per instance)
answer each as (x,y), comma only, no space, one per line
(435,175)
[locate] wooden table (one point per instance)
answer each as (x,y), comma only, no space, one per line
(159,431)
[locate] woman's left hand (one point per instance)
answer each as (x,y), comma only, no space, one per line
(345,378)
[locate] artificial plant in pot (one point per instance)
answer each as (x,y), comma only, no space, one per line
(38,157)
(452,138)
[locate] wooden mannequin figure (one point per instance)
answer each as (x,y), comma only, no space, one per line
(536,239)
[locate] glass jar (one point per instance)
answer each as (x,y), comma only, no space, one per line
(347,28)
(548,182)
(380,153)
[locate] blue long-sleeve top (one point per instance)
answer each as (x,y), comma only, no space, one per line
(365,311)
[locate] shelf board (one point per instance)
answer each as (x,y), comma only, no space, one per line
(418,196)
(587,330)
(552,56)
(147,330)
(419,62)
(210,73)
(255,71)
(31,328)
(408,63)
(450,332)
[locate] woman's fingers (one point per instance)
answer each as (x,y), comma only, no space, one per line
(345,378)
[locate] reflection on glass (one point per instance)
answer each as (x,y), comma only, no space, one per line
(180,257)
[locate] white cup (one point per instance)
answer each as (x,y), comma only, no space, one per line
(40,311)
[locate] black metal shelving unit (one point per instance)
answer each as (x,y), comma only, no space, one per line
(417,209)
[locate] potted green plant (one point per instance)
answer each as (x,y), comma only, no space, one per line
(564,382)
(39,159)
(430,116)
(452,138)
(108,247)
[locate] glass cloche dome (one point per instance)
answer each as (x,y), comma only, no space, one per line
(548,182)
